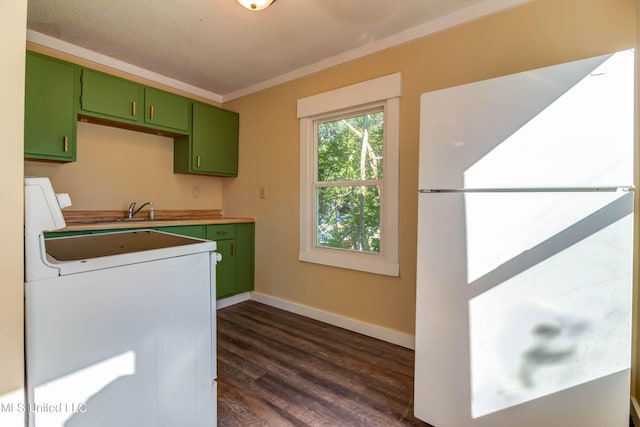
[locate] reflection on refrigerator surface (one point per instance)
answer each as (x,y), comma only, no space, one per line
(549,327)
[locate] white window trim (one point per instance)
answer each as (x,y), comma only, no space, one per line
(385,91)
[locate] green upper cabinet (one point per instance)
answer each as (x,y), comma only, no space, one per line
(109,97)
(212,147)
(59,93)
(166,110)
(50,109)
(117,100)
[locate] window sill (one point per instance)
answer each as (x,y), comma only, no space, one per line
(370,263)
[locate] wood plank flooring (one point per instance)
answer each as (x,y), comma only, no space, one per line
(276,368)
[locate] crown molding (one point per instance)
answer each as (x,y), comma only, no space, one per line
(462,16)
(471,13)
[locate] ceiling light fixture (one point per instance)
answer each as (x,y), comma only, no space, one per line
(256,4)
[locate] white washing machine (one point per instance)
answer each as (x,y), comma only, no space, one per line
(120,327)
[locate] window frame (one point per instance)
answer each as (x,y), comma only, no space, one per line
(382,92)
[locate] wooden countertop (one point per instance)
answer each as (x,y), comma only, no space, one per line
(108,220)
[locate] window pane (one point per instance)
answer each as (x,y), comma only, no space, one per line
(349,218)
(351,148)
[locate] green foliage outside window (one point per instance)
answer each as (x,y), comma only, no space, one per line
(350,169)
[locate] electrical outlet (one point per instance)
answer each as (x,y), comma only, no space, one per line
(263,192)
(195,192)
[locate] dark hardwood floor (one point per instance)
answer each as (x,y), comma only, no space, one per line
(276,368)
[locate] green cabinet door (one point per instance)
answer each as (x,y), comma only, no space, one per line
(212,147)
(245,258)
(215,140)
(236,270)
(166,110)
(226,269)
(109,97)
(50,118)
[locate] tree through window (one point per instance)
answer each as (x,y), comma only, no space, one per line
(349,155)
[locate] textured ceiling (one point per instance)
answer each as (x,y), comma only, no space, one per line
(219,46)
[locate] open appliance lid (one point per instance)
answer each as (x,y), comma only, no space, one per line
(75,254)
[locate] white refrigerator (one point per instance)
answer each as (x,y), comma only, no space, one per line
(525,234)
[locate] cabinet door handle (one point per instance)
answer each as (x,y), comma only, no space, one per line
(133,108)
(222,232)
(152,112)
(233,248)
(198,161)
(65,141)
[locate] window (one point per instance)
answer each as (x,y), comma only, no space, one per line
(349,176)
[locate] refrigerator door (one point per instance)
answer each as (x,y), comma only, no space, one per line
(569,125)
(524,309)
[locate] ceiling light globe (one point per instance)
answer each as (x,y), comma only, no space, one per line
(256,4)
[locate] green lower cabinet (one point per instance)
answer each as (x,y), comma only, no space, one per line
(197,231)
(235,273)
(235,242)
(226,269)
(245,257)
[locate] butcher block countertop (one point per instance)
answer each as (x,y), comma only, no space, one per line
(112,220)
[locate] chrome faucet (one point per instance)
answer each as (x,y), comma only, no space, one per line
(132,212)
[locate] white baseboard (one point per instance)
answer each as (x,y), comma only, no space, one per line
(384,334)
(635,412)
(235,299)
